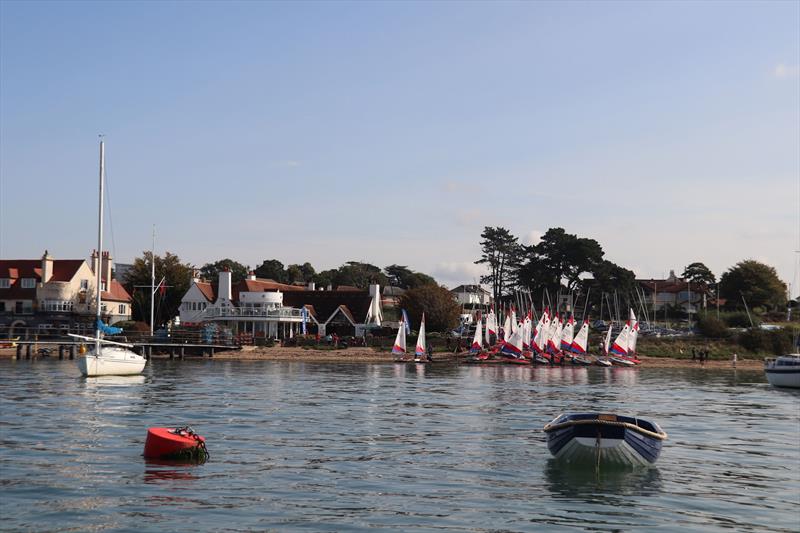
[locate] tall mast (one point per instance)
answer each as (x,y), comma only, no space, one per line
(152,279)
(99,267)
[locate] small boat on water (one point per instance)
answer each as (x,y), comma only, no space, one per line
(596,438)
(399,346)
(783,371)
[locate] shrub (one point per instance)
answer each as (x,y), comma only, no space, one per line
(739,320)
(709,326)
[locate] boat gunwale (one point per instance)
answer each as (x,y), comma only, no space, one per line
(627,425)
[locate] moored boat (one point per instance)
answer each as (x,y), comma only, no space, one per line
(783,371)
(604,438)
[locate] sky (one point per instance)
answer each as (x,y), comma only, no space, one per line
(394,132)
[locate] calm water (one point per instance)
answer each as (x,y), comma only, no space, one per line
(327,447)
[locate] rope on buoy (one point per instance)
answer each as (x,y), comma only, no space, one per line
(199,452)
(627,425)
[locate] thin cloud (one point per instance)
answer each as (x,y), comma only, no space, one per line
(458,272)
(786,71)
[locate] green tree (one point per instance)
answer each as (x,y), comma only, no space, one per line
(559,259)
(437,302)
(272,269)
(758,283)
(210,271)
(178,278)
(325,278)
(404,277)
(698,273)
(500,252)
(361,275)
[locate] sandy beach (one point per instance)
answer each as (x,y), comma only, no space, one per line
(369,355)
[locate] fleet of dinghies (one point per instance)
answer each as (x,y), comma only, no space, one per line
(551,341)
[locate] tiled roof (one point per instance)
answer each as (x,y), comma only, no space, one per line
(671,286)
(207,289)
(261,285)
(16,269)
(116,294)
(325,303)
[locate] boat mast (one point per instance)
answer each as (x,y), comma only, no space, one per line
(98,276)
(152,279)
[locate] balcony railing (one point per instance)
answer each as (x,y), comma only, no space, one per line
(253,312)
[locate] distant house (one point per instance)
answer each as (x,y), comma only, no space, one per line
(675,292)
(472,296)
(266,308)
(58,290)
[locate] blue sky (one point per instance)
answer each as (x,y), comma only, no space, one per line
(394,132)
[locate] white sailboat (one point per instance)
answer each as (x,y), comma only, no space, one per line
(108,358)
(421,350)
(399,347)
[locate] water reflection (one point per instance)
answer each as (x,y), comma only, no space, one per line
(114,381)
(169,471)
(588,483)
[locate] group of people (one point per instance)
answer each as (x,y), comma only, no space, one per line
(702,355)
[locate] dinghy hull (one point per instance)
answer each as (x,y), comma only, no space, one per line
(608,439)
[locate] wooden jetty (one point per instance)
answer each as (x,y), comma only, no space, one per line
(69,347)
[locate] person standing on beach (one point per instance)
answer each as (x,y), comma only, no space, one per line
(735,356)
(694,354)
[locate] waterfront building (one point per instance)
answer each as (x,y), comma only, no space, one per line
(266,308)
(674,292)
(472,297)
(51,293)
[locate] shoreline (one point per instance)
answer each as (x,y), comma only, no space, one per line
(369,355)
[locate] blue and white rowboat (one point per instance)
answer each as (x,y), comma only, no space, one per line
(604,438)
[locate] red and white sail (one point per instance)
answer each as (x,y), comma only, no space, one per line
(513,346)
(399,347)
(476,340)
(421,349)
(581,341)
(491,327)
(634,334)
(568,334)
(607,340)
(527,327)
(538,333)
(507,327)
(554,338)
(620,346)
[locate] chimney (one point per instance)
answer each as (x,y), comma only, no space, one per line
(93,264)
(106,265)
(312,286)
(47,267)
(224,292)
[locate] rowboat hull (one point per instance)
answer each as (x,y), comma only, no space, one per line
(607,439)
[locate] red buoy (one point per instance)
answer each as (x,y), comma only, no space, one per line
(179,443)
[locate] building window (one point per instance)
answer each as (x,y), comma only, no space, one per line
(2,307)
(84,284)
(5,283)
(122,309)
(28,283)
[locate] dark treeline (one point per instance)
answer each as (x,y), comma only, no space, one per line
(565,264)
(352,273)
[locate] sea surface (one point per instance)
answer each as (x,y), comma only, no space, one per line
(349,447)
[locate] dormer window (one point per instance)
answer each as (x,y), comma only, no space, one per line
(28,283)
(84,284)
(5,283)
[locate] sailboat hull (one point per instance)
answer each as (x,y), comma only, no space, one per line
(112,361)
